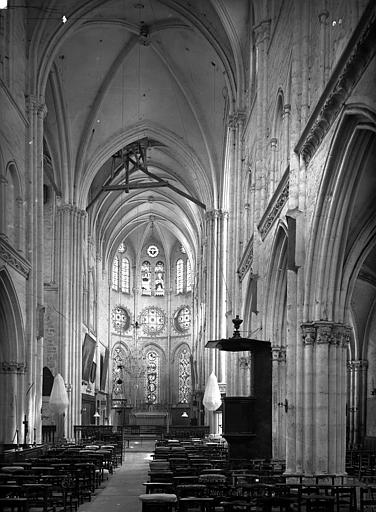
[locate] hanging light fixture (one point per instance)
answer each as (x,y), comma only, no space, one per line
(212,396)
(184,415)
(59,400)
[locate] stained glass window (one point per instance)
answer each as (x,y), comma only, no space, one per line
(182,319)
(184,376)
(115,273)
(125,275)
(146,278)
(152,320)
(159,279)
(179,276)
(152,377)
(118,364)
(121,319)
(189,277)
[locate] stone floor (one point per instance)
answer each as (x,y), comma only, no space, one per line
(120,492)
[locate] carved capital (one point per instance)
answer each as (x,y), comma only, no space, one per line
(357,365)
(35,106)
(279,354)
(70,209)
(308,333)
(216,214)
(341,335)
(12,367)
(323,332)
(236,119)
(42,110)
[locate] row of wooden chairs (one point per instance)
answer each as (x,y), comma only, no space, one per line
(60,480)
(174,484)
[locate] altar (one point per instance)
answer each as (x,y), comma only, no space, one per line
(149,418)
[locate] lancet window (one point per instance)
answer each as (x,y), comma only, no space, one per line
(152,377)
(184,376)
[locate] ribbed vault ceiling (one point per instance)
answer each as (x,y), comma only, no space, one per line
(120,71)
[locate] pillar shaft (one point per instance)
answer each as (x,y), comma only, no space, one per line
(70,233)
(322,415)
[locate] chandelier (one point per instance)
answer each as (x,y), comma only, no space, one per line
(129,369)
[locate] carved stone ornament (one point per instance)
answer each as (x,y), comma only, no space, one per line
(12,367)
(14,259)
(245,363)
(275,206)
(356,57)
(246,261)
(323,333)
(359,365)
(279,355)
(309,334)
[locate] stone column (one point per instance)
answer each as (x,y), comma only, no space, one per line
(273,173)
(279,402)
(70,233)
(324,397)
(3,204)
(12,376)
(285,136)
(34,241)
(324,56)
(357,375)
(262,34)
(216,221)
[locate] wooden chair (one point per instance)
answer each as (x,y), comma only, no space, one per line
(345,498)
(191,490)
(158,502)
(319,503)
(201,504)
(367,498)
(14,505)
(159,487)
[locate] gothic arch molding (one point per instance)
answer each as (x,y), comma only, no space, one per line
(11,323)
(275,297)
(328,282)
(12,361)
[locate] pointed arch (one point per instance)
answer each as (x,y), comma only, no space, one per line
(276,291)
(337,250)
(12,360)
(13,222)
(12,346)
(182,362)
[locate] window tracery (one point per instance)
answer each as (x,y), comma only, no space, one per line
(115,273)
(182,319)
(125,275)
(184,376)
(121,319)
(152,320)
(152,377)
(146,278)
(189,277)
(179,276)
(159,279)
